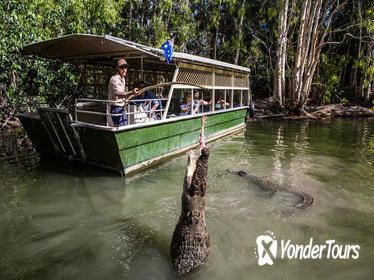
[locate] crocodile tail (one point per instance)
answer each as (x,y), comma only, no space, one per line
(307,200)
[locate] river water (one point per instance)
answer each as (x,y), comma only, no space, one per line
(69,221)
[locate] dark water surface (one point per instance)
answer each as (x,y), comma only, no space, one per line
(69,221)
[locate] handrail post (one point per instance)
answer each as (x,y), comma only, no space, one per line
(75,110)
(232,99)
(213,90)
(214,100)
(249,97)
(202,107)
(128,113)
(107,113)
(170,93)
(192,104)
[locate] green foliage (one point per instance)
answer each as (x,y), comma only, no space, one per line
(332,70)
(27,21)
(369,19)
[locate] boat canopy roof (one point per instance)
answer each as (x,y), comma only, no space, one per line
(95,49)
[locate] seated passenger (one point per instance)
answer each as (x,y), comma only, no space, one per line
(199,102)
(185,109)
(220,103)
(148,105)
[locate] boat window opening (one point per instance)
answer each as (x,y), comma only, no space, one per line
(237,98)
(193,103)
(185,102)
(245,98)
(96,79)
(198,101)
(219,95)
(94,82)
(206,104)
(221,101)
(230,100)
(175,102)
(140,111)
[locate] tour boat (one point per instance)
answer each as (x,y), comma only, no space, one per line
(84,130)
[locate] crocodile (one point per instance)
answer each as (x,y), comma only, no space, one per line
(306,200)
(189,248)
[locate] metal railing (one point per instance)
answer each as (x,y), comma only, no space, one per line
(133,109)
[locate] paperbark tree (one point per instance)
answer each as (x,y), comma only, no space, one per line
(314,24)
(280,68)
(214,28)
(240,31)
(366,65)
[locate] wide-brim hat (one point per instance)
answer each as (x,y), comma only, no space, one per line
(121,62)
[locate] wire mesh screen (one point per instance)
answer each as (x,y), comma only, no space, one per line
(240,80)
(195,77)
(223,80)
(203,75)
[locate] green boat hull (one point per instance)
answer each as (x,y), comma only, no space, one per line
(125,150)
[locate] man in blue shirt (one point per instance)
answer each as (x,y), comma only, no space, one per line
(148,105)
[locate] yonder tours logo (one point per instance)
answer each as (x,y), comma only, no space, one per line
(267,247)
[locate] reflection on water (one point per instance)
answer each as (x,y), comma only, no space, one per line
(69,221)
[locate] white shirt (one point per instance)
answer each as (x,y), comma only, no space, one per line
(116,84)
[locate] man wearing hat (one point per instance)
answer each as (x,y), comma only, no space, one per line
(116,91)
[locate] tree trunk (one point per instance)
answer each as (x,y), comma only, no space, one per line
(314,27)
(214,31)
(131,5)
(300,53)
(355,78)
(240,35)
(280,69)
(183,43)
(367,79)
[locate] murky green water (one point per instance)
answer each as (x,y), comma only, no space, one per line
(67,221)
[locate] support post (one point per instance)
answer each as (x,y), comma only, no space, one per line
(170,93)
(192,104)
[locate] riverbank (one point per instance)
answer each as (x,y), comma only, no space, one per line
(15,147)
(264,109)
